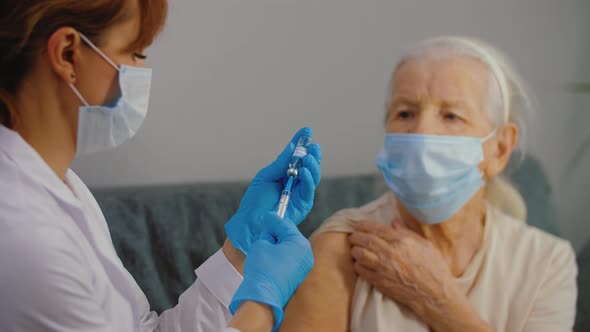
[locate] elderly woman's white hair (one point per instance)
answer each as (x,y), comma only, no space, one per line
(508,101)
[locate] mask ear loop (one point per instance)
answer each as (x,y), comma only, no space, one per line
(79,95)
(106,58)
(71,84)
(490,135)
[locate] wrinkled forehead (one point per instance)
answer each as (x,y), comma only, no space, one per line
(442,79)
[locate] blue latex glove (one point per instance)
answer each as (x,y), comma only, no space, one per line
(265,191)
(277,264)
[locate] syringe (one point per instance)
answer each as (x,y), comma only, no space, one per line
(285,196)
(293,172)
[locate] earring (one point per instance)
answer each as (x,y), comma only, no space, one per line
(73,76)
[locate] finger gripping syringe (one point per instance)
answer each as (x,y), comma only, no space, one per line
(293,172)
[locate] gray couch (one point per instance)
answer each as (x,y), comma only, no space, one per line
(163,233)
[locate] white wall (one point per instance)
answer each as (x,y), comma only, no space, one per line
(233,81)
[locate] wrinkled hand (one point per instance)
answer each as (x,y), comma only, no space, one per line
(264,193)
(277,264)
(403,266)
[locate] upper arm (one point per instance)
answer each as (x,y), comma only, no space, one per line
(46,286)
(323,301)
(555,306)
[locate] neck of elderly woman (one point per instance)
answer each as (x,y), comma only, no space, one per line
(458,238)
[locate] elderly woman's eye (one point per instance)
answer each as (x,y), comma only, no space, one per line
(450,116)
(404,114)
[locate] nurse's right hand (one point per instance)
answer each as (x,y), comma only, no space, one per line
(276,265)
(265,190)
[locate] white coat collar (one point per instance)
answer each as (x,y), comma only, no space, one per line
(31,163)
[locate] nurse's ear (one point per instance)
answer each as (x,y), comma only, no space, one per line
(64,51)
(498,150)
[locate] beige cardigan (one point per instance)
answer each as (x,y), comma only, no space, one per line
(521,279)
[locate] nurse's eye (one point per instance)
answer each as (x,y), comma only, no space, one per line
(139,56)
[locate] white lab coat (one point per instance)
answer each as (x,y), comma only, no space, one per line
(59,270)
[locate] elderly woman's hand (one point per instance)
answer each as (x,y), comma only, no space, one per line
(410,270)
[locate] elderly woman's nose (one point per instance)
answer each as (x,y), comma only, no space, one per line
(424,124)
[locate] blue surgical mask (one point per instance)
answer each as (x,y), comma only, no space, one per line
(432,176)
(104,127)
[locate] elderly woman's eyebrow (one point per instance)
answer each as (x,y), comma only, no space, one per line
(459,104)
(404,100)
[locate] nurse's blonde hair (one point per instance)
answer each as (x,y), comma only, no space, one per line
(508,101)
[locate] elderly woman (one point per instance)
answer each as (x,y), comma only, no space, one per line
(447,248)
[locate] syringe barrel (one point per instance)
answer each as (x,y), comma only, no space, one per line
(283,203)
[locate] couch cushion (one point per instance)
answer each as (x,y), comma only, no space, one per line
(163,233)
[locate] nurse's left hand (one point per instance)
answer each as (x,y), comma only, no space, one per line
(265,190)
(277,264)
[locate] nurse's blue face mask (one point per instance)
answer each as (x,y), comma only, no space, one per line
(102,127)
(432,176)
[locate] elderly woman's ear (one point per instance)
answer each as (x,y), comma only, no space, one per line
(498,149)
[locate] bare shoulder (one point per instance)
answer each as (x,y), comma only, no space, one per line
(380,210)
(331,245)
(333,261)
(323,301)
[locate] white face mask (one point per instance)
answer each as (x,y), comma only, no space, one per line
(104,127)
(432,176)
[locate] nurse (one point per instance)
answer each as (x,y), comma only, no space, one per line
(73,82)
